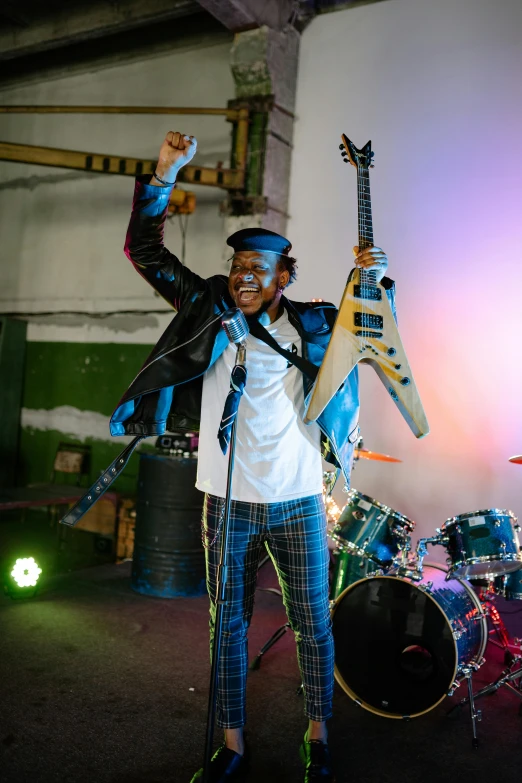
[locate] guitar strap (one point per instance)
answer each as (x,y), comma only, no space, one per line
(108,477)
(100,486)
(306,367)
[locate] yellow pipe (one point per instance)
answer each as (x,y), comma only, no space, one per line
(229,179)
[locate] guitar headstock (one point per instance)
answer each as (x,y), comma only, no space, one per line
(359,158)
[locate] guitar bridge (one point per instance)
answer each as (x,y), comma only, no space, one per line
(369,320)
(370,292)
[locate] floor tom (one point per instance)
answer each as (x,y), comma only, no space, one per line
(509,586)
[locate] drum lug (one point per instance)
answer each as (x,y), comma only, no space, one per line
(453,687)
(471,667)
(427,587)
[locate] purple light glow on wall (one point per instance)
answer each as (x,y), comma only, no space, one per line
(438,92)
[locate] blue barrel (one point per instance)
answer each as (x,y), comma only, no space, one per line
(168,560)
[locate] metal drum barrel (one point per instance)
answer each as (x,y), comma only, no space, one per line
(168,559)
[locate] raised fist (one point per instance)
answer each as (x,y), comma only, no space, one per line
(176,151)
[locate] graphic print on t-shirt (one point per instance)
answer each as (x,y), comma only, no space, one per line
(277,456)
(294,350)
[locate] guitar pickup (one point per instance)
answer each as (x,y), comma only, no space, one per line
(366,333)
(370,292)
(369,320)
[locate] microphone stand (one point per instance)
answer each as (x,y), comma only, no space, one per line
(221,581)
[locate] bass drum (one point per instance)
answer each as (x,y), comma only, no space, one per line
(400,645)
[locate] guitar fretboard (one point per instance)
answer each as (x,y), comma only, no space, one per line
(365,219)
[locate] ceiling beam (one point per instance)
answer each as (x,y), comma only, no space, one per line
(69,25)
(245,14)
(9,10)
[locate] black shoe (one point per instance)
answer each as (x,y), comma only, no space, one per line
(226,766)
(316,758)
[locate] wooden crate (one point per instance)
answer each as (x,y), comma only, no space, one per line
(100,519)
(126,524)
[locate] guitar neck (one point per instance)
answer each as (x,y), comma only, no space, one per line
(364,203)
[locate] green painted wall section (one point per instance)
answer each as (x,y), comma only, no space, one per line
(38,448)
(87,376)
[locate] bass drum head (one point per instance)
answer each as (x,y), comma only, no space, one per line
(394,648)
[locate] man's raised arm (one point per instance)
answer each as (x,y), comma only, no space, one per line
(144,242)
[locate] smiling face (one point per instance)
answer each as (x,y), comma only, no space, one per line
(255,282)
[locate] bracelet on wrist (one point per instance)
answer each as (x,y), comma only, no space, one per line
(163,181)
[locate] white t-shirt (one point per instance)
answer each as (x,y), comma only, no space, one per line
(278,456)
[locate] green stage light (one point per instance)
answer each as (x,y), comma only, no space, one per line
(26,572)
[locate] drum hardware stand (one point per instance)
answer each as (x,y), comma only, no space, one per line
(221,582)
(475,715)
(256,663)
(406,567)
(507,676)
(499,627)
(414,570)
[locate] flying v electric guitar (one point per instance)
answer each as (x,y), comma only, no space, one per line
(365,329)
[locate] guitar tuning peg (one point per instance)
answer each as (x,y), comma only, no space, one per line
(372,154)
(345,160)
(343,153)
(372,166)
(341,146)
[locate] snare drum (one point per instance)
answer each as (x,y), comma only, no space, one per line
(400,646)
(509,586)
(483,543)
(371,530)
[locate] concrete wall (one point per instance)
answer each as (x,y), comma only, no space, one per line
(61,255)
(436,86)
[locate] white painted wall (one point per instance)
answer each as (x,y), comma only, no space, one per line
(63,231)
(437,87)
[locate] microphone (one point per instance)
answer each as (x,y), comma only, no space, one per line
(236,329)
(235,325)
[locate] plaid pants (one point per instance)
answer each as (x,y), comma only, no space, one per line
(294,533)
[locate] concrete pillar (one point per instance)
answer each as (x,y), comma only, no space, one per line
(264,65)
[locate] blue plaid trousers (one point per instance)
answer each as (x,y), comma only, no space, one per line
(294,533)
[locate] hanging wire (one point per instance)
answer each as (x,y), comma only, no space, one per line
(183,227)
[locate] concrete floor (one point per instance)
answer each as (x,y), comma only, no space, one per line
(101,683)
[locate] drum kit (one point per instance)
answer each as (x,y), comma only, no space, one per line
(407,634)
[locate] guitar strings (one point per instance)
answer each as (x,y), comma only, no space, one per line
(361,275)
(362,246)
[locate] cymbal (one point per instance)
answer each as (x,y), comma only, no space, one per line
(374,455)
(518,459)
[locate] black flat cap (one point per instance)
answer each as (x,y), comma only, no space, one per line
(260,239)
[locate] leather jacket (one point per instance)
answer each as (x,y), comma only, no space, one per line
(166,393)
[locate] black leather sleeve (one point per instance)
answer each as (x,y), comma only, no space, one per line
(144,247)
